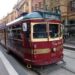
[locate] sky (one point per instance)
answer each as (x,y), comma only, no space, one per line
(6,6)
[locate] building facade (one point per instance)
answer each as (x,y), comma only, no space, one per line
(67,8)
(40,5)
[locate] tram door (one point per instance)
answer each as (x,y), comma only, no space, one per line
(26,37)
(26,34)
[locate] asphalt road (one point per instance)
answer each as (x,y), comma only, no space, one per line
(61,68)
(19,67)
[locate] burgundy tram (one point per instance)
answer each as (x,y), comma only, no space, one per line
(36,37)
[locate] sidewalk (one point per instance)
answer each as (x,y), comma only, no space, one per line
(3,70)
(5,66)
(69,46)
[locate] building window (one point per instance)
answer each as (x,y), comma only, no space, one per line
(36,7)
(55,8)
(72,5)
(58,7)
(51,9)
(40,5)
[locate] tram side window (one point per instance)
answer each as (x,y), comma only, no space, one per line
(15,37)
(17,31)
(53,30)
(14,32)
(10,33)
(39,31)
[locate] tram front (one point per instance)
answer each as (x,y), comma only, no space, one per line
(46,38)
(47,42)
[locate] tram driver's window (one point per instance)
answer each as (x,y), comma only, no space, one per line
(39,31)
(53,29)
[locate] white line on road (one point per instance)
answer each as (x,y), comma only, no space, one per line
(7,65)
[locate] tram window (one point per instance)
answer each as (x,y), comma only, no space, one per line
(17,31)
(53,30)
(10,33)
(14,32)
(39,31)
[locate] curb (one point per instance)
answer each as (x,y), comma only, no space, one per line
(69,47)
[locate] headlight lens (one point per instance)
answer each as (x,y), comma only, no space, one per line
(54,49)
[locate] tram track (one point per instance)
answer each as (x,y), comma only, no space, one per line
(37,71)
(69,56)
(63,67)
(67,52)
(67,69)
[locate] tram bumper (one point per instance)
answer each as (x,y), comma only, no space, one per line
(47,61)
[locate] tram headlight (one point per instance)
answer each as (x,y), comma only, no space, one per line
(54,49)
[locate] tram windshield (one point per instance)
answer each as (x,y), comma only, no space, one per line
(42,30)
(53,30)
(39,31)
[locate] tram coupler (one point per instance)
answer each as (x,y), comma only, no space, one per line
(29,66)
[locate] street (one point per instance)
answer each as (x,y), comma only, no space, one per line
(18,67)
(61,68)
(37,32)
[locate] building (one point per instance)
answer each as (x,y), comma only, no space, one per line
(23,6)
(18,9)
(71,8)
(37,5)
(10,17)
(40,5)
(0,21)
(67,8)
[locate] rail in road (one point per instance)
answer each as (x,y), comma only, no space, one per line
(66,65)
(8,69)
(46,69)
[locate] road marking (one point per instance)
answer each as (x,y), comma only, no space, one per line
(8,65)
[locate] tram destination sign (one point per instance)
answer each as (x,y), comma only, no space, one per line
(24,26)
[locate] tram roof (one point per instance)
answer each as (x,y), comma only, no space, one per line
(37,15)
(15,21)
(42,14)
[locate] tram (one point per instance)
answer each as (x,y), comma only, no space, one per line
(36,37)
